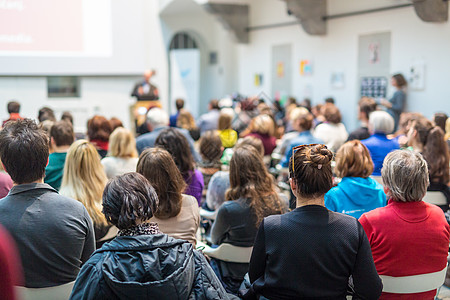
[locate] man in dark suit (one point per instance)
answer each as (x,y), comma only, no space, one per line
(144,90)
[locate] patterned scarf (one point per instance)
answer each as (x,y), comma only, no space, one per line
(141,229)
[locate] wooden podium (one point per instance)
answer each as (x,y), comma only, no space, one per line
(138,111)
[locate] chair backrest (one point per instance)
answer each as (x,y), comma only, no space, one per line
(230,253)
(210,215)
(413,284)
(59,292)
(436,198)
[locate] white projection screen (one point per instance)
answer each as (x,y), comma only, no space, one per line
(45,37)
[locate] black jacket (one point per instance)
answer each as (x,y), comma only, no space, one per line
(147,267)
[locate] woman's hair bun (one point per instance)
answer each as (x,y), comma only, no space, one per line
(320,154)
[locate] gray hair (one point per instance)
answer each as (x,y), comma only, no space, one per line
(157,117)
(405,174)
(381,121)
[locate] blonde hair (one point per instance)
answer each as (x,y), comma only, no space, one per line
(122,143)
(186,120)
(264,124)
(84,179)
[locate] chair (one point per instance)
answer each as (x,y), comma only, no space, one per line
(436,198)
(378,179)
(227,252)
(59,292)
(206,214)
(413,284)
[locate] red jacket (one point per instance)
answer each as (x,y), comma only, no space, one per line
(10,267)
(407,238)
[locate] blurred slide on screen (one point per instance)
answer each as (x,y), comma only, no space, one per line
(78,28)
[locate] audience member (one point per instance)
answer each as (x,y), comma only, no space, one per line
(211,151)
(122,155)
(329,100)
(294,119)
(141,262)
(115,123)
(403,127)
(53,233)
(312,252)
(61,137)
(177,214)
(46,113)
(84,180)
(262,127)
(428,139)
(396,104)
(251,197)
(332,131)
(357,193)
(179,104)
(227,135)
(13,108)
(158,120)
(99,130)
(447,132)
(217,187)
(318,116)
(10,268)
(6,182)
(380,124)
(209,120)
(366,106)
(439,120)
(177,145)
(303,124)
(67,116)
(186,121)
(408,237)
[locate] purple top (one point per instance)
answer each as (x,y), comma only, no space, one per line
(194,185)
(6,184)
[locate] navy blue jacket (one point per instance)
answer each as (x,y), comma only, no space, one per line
(147,267)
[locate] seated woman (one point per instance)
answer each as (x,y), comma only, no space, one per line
(178,146)
(332,131)
(263,127)
(408,236)
(357,193)
(428,139)
(99,130)
(211,151)
(311,252)
(251,197)
(186,121)
(177,214)
(122,154)
(141,262)
(84,180)
(227,135)
(380,124)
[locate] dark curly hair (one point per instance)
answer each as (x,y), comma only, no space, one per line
(128,198)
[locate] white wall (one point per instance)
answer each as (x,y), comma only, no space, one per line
(108,96)
(412,39)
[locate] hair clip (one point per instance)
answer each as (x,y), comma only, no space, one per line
(319,166)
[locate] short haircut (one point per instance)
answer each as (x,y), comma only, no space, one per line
(99,128)
(46,113)
(24,151)
(303,117)
(158,167)
(179,103)
(122,143)
(312,170)
(210,146)
(128,198)
(214,103)
(400,80)
(439,119)
(367,105)
(224,121)
(13,107)
(381,121)
(157,117)
(405,174)
(115,123)
(331,113)
(62,133)
(353,160)
(67,116)
(329,100)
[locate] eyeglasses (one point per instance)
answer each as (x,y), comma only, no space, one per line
(295,149)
